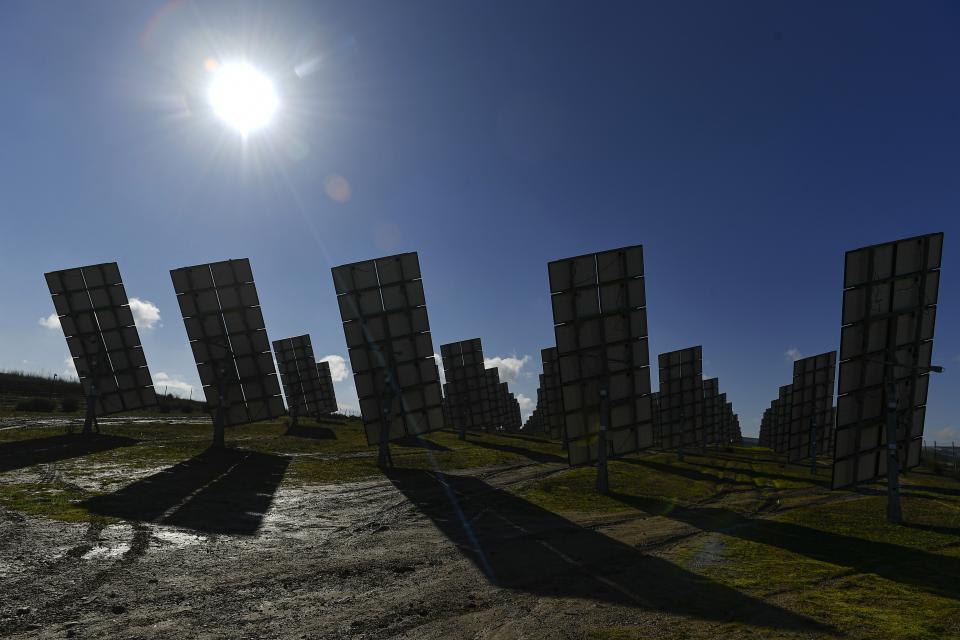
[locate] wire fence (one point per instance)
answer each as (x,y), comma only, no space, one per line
(941,456)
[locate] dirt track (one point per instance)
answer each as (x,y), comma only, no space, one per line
(415,556)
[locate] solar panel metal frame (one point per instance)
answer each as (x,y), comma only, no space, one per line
(600,325)
(384,313)
(812,397)
(712,412)
(552,394)
(889,308)
(221,312)
(468,387)
(98,325)
(681,397)
(299,374)
(784,408)
(328,395)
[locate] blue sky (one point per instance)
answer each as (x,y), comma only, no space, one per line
(746,145)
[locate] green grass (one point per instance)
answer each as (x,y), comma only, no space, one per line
(337,453)
(770,531)
(829,556)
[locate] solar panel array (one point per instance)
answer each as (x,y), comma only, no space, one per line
(713,412)
(96,320)
(784,407)
(468,388)
(299,375)
(765,439)
(221,312)
(812,399)
(552,394)
(384,313)
(497,400)
(681,398)
(889,311)
(328,396)
(600,324)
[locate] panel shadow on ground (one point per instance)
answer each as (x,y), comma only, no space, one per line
(932,572)
(313,433)
(223,492)
(519,546)
(26,453)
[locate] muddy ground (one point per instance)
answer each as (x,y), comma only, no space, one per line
(233,553)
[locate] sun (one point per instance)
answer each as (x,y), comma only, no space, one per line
(242,97)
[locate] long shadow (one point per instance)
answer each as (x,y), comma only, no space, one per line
(947,491)
(227,491)
(821,481)
(931,572)
(690,474)
(26,453)
(314,433)
(419,443)
(536,456)
(518,436)
(522,547)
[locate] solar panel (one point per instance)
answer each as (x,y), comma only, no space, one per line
(764,439)
(299,374)
(221,312)
(600,324)
(889,311)
(681,398)
(725,418)
(384,313)
(468,385)
(552,394)
(784,408)
(98,325)
(495,404)
(328,396)
(812,405)
(713,412)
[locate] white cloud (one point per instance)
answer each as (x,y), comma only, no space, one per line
(526,404)
(71,369)
(793,354)
(338,367)
(439,360)
(146,315)
(172,384)
(50,322)
(509,367)
(944,434)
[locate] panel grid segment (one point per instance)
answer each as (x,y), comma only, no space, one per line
(889,311)
(681,397)
(600,325)
(812,401)
(299,374)
(224,323)
(96,320)
(384,314)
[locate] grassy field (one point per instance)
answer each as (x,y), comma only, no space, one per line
(734,517)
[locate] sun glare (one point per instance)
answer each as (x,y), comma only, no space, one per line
(242,97)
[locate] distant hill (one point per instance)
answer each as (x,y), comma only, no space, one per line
(17,386)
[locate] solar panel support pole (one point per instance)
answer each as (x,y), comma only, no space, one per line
(603,482)
(894,514)
(90,421)
(294,417)
(384,459)
(218,418)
